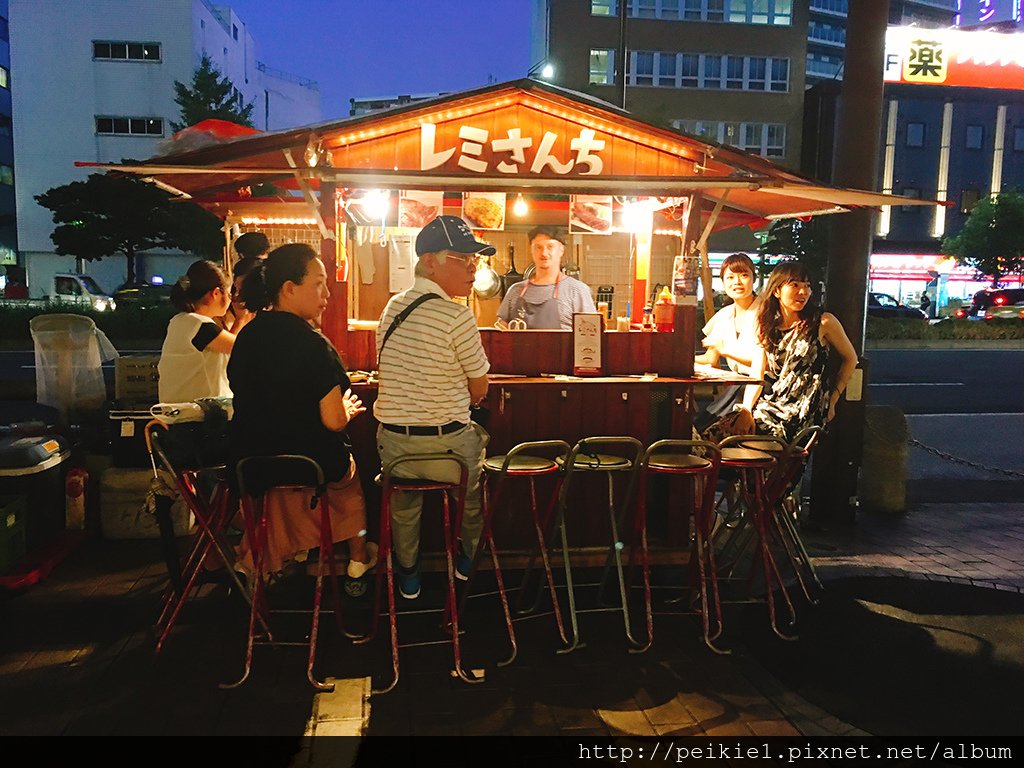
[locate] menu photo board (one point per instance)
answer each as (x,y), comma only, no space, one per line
(590,214)
(484,210)
(417,208)
(587,337)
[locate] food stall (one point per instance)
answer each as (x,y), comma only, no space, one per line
(638,202)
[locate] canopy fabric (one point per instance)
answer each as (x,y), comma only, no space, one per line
(415,146)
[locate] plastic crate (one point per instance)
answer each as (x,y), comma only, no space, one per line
(13,510)
(127,424)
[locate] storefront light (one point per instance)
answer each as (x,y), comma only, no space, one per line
(375,203)
(519,207)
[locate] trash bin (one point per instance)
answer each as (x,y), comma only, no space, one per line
(70,350)
(13,510)
(34,467)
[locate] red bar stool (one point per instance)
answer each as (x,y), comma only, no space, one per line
(391,482)
(752,466)
(529,461)
(211,517)
(256,476)
(782,498)
(679,458)
(608,456)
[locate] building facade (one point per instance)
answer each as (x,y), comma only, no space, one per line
(94,81)
(8,231)
(951,132)
(366,105)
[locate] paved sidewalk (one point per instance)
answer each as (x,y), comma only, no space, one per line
(76,653)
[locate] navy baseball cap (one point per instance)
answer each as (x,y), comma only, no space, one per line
(450,233)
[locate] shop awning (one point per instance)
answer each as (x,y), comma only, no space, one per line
(522,137)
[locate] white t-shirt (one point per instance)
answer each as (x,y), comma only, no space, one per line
(188,369)
(737,336)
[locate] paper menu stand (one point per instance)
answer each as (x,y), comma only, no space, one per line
(587,338)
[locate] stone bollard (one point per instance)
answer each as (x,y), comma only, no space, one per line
(883,472)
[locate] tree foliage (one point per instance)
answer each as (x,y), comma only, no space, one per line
(210,96)
(107,215)
(806,241)
(992,239)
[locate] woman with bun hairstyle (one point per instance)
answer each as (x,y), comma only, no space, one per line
(194,357)
(807,358)
(292,396)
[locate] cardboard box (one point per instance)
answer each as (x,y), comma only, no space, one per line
(136,378)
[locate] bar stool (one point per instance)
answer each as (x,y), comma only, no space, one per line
(211,516)
(679,458)
(392,483)
(588,456)
(752,465)
(782,497)
(257,475)
(525,460)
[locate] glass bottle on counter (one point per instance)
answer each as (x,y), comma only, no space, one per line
(648,321)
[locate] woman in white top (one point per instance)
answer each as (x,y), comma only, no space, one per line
(731,334)
(194,357)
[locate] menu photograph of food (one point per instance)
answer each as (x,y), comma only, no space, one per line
(590,214)
(417,208)
(484,210)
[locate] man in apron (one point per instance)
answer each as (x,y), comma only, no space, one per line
(550,297)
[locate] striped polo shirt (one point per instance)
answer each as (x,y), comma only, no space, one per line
(427,362)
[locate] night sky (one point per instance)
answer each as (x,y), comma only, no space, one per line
(367,48)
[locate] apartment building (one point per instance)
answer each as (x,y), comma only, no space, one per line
(93,80)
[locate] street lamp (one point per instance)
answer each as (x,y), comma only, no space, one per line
(542,70)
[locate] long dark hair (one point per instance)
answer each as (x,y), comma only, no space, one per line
(201,278)
(260,288)
(769,314)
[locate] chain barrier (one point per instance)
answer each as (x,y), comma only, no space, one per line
(963,462)
(949,456)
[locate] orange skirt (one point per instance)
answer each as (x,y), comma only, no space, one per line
(293,527)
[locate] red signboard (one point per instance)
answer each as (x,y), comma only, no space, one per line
(979,59)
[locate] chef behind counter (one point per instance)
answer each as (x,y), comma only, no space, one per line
(549,298)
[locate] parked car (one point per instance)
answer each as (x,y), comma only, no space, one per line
(143,295)
(884,305)
(993,297)
(71,289)
(1005,312)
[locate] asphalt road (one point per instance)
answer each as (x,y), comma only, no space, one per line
(948,381)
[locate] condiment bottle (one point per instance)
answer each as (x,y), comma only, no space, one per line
(648,322)
(664,311)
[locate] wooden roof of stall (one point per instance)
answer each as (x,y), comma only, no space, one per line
(462,142)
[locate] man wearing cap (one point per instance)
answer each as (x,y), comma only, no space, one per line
(432,369)
(549,298)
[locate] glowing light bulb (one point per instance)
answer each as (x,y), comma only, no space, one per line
(519,207)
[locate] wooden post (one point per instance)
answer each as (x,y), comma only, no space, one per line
(335,319)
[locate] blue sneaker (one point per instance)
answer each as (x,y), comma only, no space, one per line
(463,564)
(409,582)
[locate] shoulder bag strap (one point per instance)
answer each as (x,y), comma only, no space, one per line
(401,319)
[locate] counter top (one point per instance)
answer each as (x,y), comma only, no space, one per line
(498,379)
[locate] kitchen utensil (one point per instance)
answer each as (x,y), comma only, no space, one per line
(486,284)
(511,277)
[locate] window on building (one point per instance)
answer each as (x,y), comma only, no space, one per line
(129,126)
(602,66)
(125,51)
(968,199)
(6,175)
(780,75)
(915,134)
(975,135)
(911,192)
(1018,139)
(775,140)
(734,72)
(234,31)
(753,135)
(712,72)
(5,77)
(670,9)
(642,72)
(767,139)
(689,69)
(5,32)
(757,67)
(644,9)
(667,70)
(5,125)
(603,8)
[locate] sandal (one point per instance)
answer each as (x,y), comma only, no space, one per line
(357,569)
